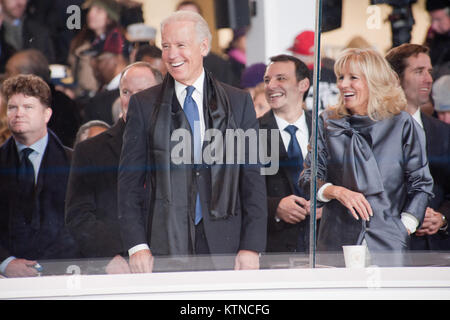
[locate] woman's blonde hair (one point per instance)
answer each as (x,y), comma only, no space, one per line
(386,97)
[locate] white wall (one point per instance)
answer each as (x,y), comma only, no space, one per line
(276,25)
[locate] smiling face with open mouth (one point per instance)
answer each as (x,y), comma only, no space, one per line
(183,52)
(416,80)
(354,90)
(282,89)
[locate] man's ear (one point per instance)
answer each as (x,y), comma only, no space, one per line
(303,85)
(48,114)
(204,47)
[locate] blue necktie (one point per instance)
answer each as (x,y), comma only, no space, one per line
(191,111)
(295,158)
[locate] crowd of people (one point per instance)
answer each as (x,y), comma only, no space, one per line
(113,147)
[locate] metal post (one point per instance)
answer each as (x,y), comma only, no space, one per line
(315,113)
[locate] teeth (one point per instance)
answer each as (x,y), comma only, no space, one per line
(276,95)
(348,94)
(177,64)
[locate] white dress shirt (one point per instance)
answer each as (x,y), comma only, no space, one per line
(197,95)
(302,133)
(114,83)
(417,116)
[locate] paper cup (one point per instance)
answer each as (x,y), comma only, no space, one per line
(355,256)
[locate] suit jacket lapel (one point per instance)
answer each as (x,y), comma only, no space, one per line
(308,118)
(269,122)
(427,127)
(10,159)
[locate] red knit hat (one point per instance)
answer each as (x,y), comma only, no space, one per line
(304,43)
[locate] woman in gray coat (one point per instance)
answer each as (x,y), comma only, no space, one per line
(372,171)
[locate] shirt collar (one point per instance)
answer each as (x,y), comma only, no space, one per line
(198,85)
(39,146)
(299,123)
(16,22)
(114,83)
(417,116)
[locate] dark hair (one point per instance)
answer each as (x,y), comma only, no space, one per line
(432,5)
(397,56)
(301,70)
(28,85)
(34,62)
(148,50)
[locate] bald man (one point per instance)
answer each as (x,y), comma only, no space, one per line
(91,203)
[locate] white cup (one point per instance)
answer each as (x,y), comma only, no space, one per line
(355,256)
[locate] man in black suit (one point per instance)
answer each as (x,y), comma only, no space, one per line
(413,65)
(33,179)
(91,201)
(169,207)
(19,32)
(287,81)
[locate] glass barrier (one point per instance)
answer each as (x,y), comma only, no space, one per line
(378,222)
(348,149)
(274,261)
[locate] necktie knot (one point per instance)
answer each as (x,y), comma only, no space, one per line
(26,167)
(189,91)
(26,152)
(291,129)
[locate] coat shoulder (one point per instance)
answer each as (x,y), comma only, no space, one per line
(149,93)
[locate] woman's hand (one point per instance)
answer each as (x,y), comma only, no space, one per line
(355,202)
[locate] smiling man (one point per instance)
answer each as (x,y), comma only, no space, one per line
(413,66)
(287,83)
(33,179)
(171,210)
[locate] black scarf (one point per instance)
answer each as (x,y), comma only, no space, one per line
(174,184)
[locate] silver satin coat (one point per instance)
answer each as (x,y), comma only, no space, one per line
(386,161)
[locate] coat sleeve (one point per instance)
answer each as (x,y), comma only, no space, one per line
(417,174)
(94,237)
(253,193)
(132,178)
(322,171)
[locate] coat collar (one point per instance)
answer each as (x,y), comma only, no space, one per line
(115,134)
